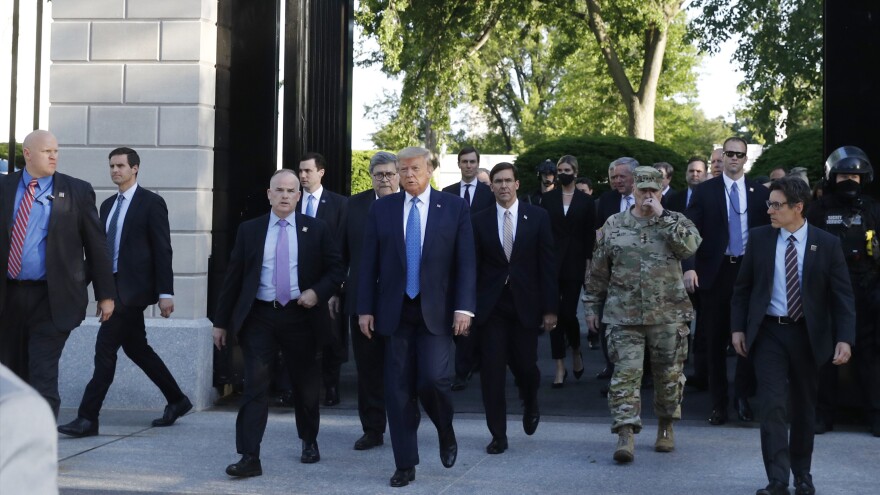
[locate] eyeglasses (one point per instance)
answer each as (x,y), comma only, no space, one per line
(776,205)
(731,154)
(384,175)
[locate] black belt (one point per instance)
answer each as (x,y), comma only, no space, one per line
(784,320)
(733,260)
(275,304)
(25,283)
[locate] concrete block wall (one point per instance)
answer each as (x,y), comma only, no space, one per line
(141,73)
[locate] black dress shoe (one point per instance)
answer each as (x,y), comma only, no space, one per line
(803,485)
(174,411)
(605,373)
(368,441)
(402,477)
(497,446)
(331,396)
(531,418)
(448,448)
(774,488)
(248,466)
(562,383)
(718,417)
(744,410)
(310,454)
(80,427)
(460,382)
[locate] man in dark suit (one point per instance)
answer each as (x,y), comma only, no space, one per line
(53,245)
(139,240)
(417,288)
(724,209)
(667,170)
(283,269)
(695,175)
(478,197)
(369,354)
(792,311)
(517,297)
(318,202)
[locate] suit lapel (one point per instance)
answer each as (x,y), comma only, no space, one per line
(398,208)
(433,210)
(809,255)
(9,189)
(62,194)
(521,226)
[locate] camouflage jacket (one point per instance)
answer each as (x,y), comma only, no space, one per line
(636,270)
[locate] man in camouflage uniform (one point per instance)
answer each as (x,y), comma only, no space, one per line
(636,276)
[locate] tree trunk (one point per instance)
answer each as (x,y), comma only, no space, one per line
(641,119)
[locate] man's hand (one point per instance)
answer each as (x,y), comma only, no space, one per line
(738,339)
(334,306)
(219,338)
(105,309)
(308,299)
(593,323)
(842,353)
(690,281)
(654,206)
(166,307)
(461,324)
(549,322)
(366,324)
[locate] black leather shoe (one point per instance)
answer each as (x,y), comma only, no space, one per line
(448,448)
(368,441)
(531,418)
(497,446)
(79,428)
(803,485)
(248,466)
(402,477)
(605,373)
(460,382)
(774,488)
(875,426)
(744,410)
(174,411)
(562,383)
(718,417)
(331,396)
(310,454)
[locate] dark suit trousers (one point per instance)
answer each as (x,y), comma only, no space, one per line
(264,332)
(416,361)
(568,329)
(785,367)
(715,306)
(699,341)
(466,354)
(30,343)
(336,351)
(124,329)
(504,341)
(369,359)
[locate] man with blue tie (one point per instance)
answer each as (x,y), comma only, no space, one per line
(417,289)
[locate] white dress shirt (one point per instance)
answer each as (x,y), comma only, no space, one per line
(424,199)
(471,190)
(623,199)
(266,291)
(743,207)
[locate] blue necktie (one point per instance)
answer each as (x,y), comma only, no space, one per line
(413,249)
(111,229)
(734,224)
(310,206)
(467,194)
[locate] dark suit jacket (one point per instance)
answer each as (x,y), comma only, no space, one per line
(352,242)
(330,209)
(676,201)
(531,268)
(448,271)
(609,204)
(574,233)
(826,291)
(319,267)
(76,250)
(481,198)
(144,266)
(708,211)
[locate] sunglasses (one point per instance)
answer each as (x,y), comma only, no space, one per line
(731,154)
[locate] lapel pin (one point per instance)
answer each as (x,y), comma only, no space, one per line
(438,206)
(525,217)
(751,189)
(323,200)
(61,195)
(305,229)
(813,247)
(50,197)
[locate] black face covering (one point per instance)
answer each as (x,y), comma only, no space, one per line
(847,189)
(565,179)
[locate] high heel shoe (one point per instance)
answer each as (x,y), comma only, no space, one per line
(560,384)
(579,373)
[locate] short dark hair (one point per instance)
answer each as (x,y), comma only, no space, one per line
(465,151)
(784,171)
(320,162)
(697,159)
(569,159)
(584,180)
(665,167)
(133,157)
(503,166)
(794,189)
(737,139)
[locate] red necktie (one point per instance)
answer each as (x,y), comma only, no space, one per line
(19,230)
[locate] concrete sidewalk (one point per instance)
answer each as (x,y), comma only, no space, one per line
(566,455)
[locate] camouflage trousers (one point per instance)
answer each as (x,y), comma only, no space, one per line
(668,348)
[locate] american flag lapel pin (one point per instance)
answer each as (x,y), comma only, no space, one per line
(813,247)
(525,217)
(751,189)
(438,205)
(61,195)
(305,229)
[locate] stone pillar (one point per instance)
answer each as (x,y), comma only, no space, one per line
(141,73)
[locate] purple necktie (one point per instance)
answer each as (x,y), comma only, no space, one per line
(282,265)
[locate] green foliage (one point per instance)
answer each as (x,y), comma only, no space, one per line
(19,155)
(360,171)
(594,155)
(801,149)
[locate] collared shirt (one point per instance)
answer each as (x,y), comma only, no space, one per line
(779,295)
(317,200)
(664,191)
(33,253)
(514,210)
(743,207)
(424,199)
(623,201)
(687,201)
(120,222)
(471,190)
(266,291)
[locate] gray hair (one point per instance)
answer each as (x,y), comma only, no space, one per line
(382,158)
(624,160)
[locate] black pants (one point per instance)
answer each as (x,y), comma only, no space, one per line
(30,343)
(336,352)
(785,368)
(699,341)
(467,355)
(369,359)
(265,331)
(504,342)
(568,328)
(124,329)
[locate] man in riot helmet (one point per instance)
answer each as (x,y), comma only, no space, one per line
(845,212)
(547,181)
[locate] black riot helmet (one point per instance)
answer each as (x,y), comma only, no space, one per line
(848,160)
